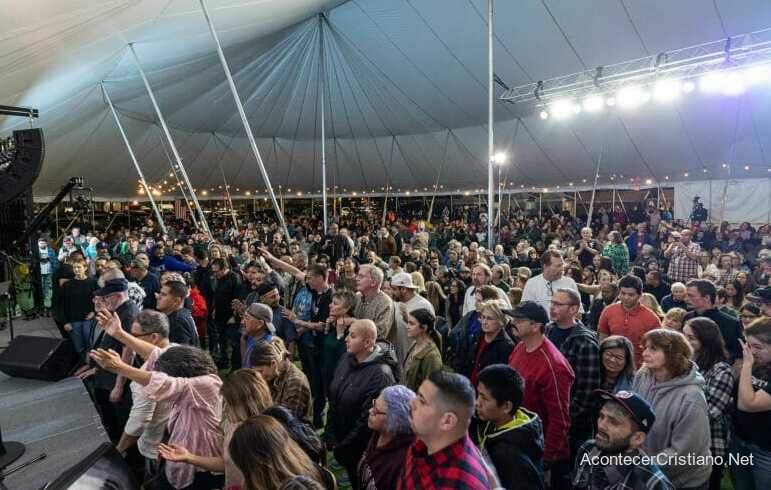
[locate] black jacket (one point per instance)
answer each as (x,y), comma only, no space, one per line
(182,328)
(515,451)
(225,291)
(497,352)
(351,392)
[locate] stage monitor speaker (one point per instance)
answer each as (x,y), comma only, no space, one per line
(45,358)
(23,171)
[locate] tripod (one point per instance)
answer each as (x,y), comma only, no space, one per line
(8,291)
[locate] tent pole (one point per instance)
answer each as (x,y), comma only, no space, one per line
(490,122)
(244,120)
(173,147)
(157,212)
(179,182)
(230,201)
(322,77)
(540,205)
(594,187)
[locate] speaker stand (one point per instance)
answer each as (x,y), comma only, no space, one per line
(10,452)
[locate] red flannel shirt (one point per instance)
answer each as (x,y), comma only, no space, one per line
(458,466)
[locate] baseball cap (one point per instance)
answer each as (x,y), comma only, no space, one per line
(140,262)
(402,280)
(761,295)
(635,405)
(262,312)
(112,286)
(530,310)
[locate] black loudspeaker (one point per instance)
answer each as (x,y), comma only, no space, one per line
(29,152)
(45,358)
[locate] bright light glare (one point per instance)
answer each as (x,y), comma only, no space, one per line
(562,109)
(757,74)
(734,84)
(593,103)
(712,82)
(688,87)
(500,158)
(631,97)
(667,90)
(544,115)
(611,101)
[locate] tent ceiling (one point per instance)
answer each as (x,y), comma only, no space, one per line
(405,90)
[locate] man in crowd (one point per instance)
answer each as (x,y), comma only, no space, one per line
(443,455)
(656,285)
(257,321)
(407,299)
(171,302)
(540,288)
(622,426)
(628,317)
(700,295)
(581,348)
(148,281)
(587,247)
(374,304)
(223,329)
(481,275)
(762,297)
(608,295)
(676,298)
(548,381)
(683,255)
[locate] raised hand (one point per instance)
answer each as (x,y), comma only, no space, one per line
(107,359)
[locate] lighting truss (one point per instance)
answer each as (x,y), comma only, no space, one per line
(728,54)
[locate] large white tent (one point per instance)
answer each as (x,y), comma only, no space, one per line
(405,84)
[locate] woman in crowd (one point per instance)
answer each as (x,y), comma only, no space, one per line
(77,296)
(435,295)
(464,338)
(267,456)
(672,384)
(748,313)
(456,293)
(711,358)
(618,253)
(649,301)
(752,436)
(723,272)
(366,368)
(674,318)
(340,315)
(346,278)
(494,346)
(723,303)
(746,280)
(288,384)
(392,436)
(424,357)
(735,292)
(187,377)
(616,363)
(245,394)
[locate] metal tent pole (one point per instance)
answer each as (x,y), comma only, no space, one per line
(322,77)
(173,147)
(157,211)
(244,120)
(594,187)
(490,122)
(230,201)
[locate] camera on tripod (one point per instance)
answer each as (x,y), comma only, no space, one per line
(699,212)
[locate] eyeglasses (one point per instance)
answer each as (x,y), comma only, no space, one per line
(374,409)
(615,357)
(557,303)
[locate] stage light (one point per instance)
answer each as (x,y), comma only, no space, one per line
(757,74)
(688,87)
(713,82)
(544,115)
(563,109)
(704,170)
(734,84)
(248,193)
(648,181)
(632,97)
(725,165)
(500,158)
(593,103)
(667,90)
(611,101)
(685,174)
(204,193)
(746,167)
(135,203)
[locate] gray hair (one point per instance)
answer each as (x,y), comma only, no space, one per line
(574,296)
(496,307)
(375,274)
(109,275)
(151,321)
(397,399)
(676,285)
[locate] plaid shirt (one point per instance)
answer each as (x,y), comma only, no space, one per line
(458,466)
(582,350)
(719,390)
(614,477)
(291,389)
(681,267)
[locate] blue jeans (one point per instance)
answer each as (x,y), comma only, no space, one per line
(81,336)
(756,476)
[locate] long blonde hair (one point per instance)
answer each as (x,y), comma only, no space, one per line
(244,394)
(648,300)
(268,456)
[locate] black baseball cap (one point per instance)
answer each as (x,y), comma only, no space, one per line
(635,405)
(761,295)
(530,310)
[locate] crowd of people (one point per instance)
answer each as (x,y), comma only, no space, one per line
(622,353)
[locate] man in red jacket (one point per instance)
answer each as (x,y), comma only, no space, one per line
(548,379)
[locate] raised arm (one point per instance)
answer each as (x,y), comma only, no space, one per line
(281,265)
(110,323)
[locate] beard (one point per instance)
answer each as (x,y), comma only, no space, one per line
(609,447)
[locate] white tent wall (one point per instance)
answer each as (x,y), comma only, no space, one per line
(734,201)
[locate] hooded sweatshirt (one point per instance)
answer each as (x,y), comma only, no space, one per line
(682,424)
(515,449)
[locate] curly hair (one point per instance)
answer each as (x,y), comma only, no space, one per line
(185,361)
(677,350)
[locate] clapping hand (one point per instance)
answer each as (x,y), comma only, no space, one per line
(110,322)
(108,360)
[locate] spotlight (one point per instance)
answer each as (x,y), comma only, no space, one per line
(725,165)
(500,158)
(611,101)
(712,82)
(593,103)
(544,115)
(734,84)
(631,97)
(685,174)
(563,109)
(688,87)
(648,181)
(758,74)
(746,167)
(667,90)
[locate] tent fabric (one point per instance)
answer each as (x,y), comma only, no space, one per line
(726,200)
(405,92)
